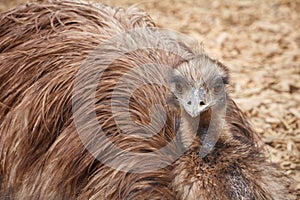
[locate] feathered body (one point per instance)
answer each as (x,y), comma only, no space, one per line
(45,155)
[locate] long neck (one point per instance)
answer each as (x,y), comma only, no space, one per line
(188,128)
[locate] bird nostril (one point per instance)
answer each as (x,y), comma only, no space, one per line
(189,103)
(202,103)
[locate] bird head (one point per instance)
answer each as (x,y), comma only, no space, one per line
(199,84)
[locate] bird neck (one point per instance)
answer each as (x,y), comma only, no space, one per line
(188,128)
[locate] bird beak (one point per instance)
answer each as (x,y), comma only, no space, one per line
(196,103)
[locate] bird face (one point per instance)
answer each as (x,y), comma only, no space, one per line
(199,85)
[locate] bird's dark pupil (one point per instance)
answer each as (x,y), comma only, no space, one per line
(178,87)
(217,88)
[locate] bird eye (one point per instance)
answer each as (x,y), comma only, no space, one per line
(218,88)
(179,87)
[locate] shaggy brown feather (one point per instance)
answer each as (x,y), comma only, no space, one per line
(42,47)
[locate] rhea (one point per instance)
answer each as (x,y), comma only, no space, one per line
(199,88)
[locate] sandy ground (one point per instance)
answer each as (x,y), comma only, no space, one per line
(260,43)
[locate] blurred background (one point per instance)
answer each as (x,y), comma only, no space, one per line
(259,41)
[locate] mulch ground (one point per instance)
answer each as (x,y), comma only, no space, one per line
(260,43)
